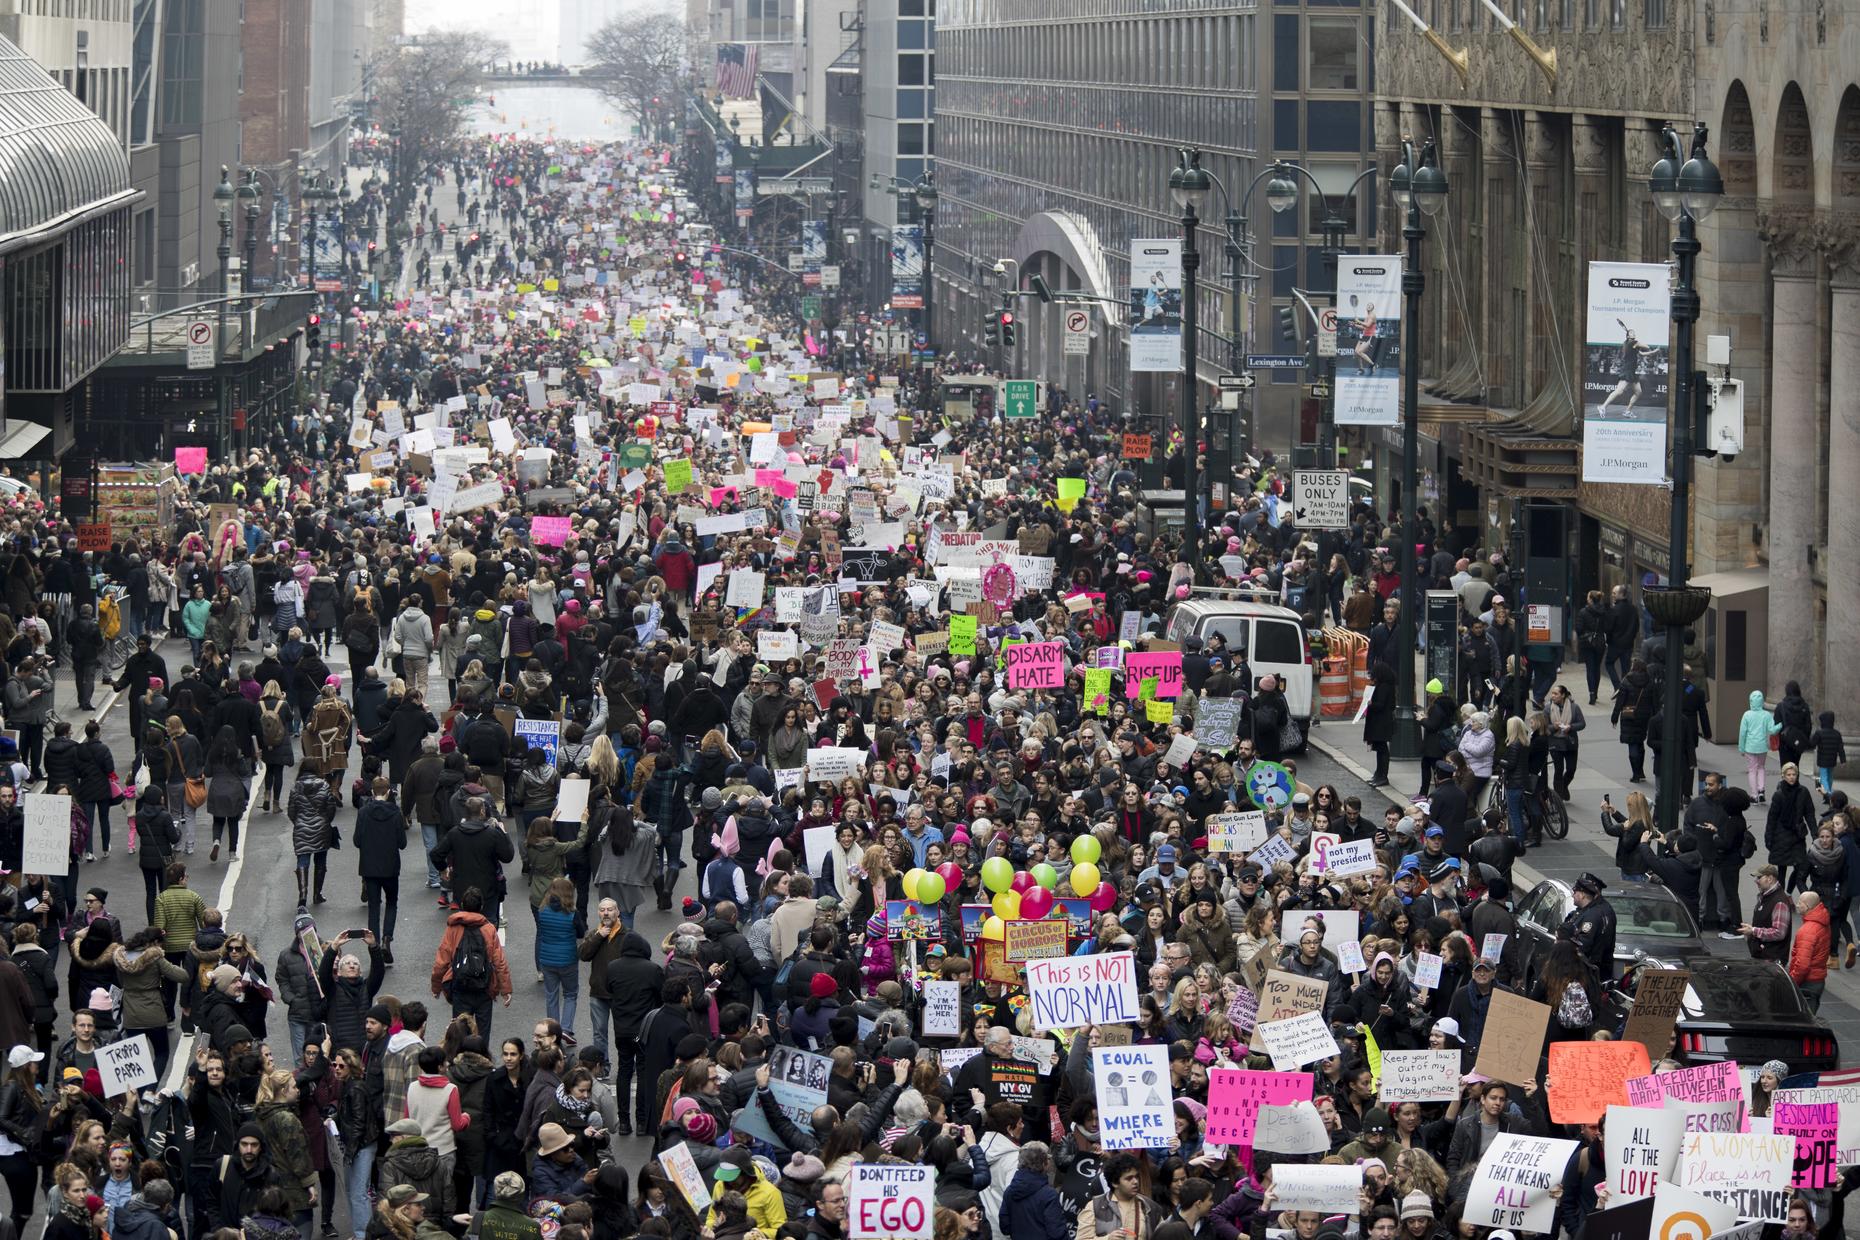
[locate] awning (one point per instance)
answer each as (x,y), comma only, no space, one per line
(59,163)
(20,438)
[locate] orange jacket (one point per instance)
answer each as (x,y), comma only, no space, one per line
(1808,955)
(449,945)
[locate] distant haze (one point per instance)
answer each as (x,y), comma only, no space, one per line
(547,30)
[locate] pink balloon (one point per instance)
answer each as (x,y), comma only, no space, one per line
(1103,898)
(1036,903)
(952,874)
(1023,882)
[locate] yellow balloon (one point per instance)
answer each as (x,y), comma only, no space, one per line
(910,883)
(1085,878)
(1007,905)
(994,929)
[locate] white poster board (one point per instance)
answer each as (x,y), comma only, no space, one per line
(886,1201)
(125,1065)
(1082,990)
(47,846)
(1135,1108)
(1512,1186)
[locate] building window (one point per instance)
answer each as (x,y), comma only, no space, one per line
(910,69)
(1656,14)
(1333,54)
(1617,14)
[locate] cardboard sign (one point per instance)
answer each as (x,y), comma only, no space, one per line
(891,1201)
(1237,833)
(1036,665)
(1420,1076)
(1035,940)
(1513,1041)
(942,1009)
(1293,1129)
(1657,998)
(1751,1172)
(1284,995)
(1512,1186)
(126,1065)
(1082,990)
(683,1171)
(1587,1078)
(1641,1145)
(1135,1104)
(1297,1040)
(1317,1188)
(1235,1096)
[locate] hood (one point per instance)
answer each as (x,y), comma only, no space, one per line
(1024,1185)
(469,1067)
(717,929)
(209,940)
(140,960)
(404,1039)
(1756,699)
(635,946)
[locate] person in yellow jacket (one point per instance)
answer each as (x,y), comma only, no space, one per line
(737,1173)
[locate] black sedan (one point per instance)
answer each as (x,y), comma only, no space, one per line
(1650,922)
(1746,1010)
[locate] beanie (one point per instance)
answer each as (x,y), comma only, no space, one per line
(1416,1205)
(822,986)
(380,1013)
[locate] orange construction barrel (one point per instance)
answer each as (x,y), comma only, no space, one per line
(1334,689)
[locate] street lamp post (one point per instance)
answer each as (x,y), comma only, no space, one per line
(925,194)
(249,194)
(223,197)
(1189,185)
(1419,186)
(1684,194)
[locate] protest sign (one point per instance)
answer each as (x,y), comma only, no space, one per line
(1181,749)
(1272,852)
(1035,940)
(1082,990)
(961,634)
(47,833)
(1426,970)
(1641,1149)
(1317,1188)
(1816,1129)
(1216,722)
(1710,1082)
(952,1058)
(1036,665)
(1682,1214)
(1235,1096)
(1748,1171)
(1512,1186)
(1847,1098)
(683,1170)
(550,531)
(1633,1221)
(1353,857)
(543,734)
(1350,957)
(745,588)
(1420,1076)
(1295,1128)
(1237,833)
(942,1009)
(832,763)
(891,1201)
(125,1065)
(1514,1038)
(1165,667)
(1135,1107)
(1658,994)
(1297,1040)
(1243,1011)
(1339,925)
(571,801)
(1586,1078)
(1707,1116)
(1284,995)
(798,1080)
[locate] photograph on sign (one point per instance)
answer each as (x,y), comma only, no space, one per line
(1368,391)
(1155,305)
(1625,373)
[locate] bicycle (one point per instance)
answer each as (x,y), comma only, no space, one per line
(1549,811)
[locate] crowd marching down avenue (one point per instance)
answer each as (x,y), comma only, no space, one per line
(921,838)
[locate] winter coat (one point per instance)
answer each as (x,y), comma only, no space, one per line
(227,789)
(548,861)
(413,628)
(41,979)
(1756,727)
(294,983)
(290,1151)
(1791,821)
(346,1000)
(379,837)
(410,1160)
(400,737)
(473,850)
(634,981)
(1031,1209)
(141,973)
(1635,702)
(313,806)
(1808,953)
(558,933)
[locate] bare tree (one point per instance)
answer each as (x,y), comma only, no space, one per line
(423,93)
(640,61)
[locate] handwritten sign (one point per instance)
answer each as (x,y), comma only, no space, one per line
(1135,1106)
(1296,1128)
(47,843)
(1318,1188)
(1036,665)
(1586,1078)
(550,531)
(1751,1172)
(1420,1076)
(1512,1186)
(1514,1038)
(1283,995)
(1816,1129)
(1298,1040)
(1235,1096)
(1427,970)
(125,1065)
(1082,990)
(683,1169)
(1164,666)
(1711,1082)
(1236,833)
(942,1009)
(891,1201)
(1658,995)
(1353,857)
(1642,1148)
(1847,1098)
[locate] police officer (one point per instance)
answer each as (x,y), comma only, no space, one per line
(1591,927)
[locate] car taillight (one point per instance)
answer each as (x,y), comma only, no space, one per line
(1817,1047)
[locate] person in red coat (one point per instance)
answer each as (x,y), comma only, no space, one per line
(1808,955)
(678,566)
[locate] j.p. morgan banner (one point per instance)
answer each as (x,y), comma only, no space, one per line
(1625,373)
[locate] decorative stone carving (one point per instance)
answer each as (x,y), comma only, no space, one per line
(1796,239)
(1711,23)
(1842,239)
(1588,144)
(1541,141)
(1763,21)
(1495,130)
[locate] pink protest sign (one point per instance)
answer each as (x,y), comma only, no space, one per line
(1816,1129)
(1036,665)
(550,531)
(1711,1082)
(1165,666)
(784,489)
(1235,1096)
(721,495)
(190,460)
(768,477)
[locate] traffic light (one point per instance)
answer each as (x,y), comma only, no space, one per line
(1007,329)
(313,333)
(1288,324)
(681,260)
(991,331)
(371,254)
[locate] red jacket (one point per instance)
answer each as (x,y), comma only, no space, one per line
(1808,955)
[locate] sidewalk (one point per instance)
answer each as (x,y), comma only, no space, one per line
(1602,768)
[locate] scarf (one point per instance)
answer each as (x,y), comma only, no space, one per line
(1824,856)
(1560,715)
(576,1107)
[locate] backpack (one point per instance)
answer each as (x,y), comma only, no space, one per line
(271,727)
(786,971)
(1573,1010)
(471,963)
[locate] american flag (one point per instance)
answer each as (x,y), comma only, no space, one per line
(736,69)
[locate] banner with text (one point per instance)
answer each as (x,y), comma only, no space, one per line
(1368,389)
(1625,373)
(1155,305)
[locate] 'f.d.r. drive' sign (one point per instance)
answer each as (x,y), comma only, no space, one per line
(1082,990)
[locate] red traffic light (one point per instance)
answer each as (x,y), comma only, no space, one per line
(315,319)
(1006,318)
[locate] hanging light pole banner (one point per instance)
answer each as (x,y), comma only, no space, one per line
(907,266)
(1625,373)
(1156,305)
(1368,385)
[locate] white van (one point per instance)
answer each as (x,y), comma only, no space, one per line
(1272,636)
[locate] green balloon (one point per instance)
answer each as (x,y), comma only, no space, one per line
(1086,850)
(997,874)
(1045,875)
(930,887)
